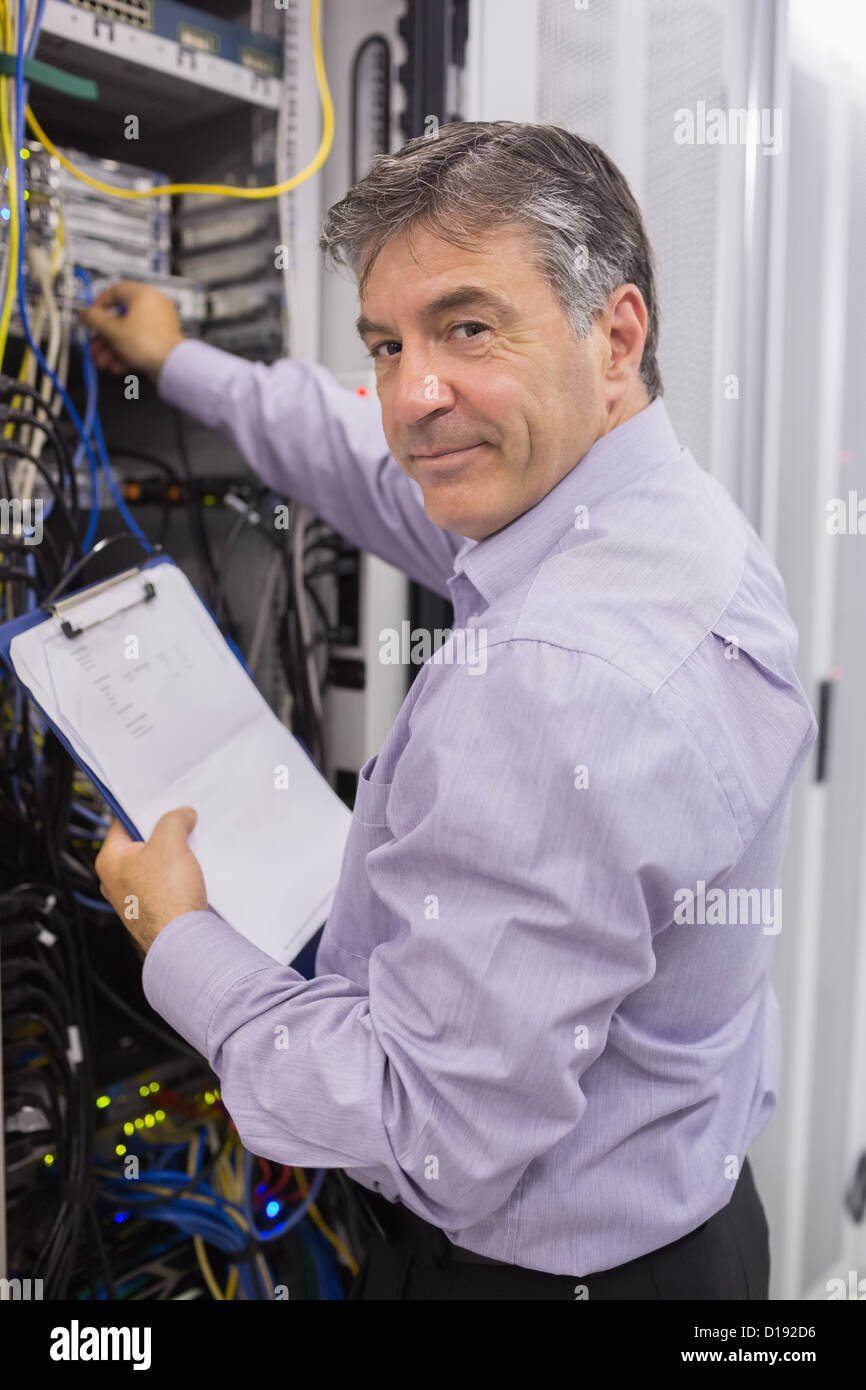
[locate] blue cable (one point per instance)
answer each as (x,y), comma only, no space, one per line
(170,1177)
(318,1264)
(165,1151)
(327,1278)
(92,903)
(212,1223)
(34,37)
(21,96)
(88,814)
(91,388)
(98,436)
(35,755)
(194,1220)
(30,566)
(210,1215)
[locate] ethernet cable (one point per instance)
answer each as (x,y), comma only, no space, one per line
(12,166)
(13,161)
(104,462)
(227,190)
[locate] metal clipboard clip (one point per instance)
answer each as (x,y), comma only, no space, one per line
(59,607)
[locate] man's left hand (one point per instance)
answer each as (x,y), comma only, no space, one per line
(150,882)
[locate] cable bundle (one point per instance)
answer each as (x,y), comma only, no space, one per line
(54,466)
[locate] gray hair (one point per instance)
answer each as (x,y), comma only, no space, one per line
(588,235)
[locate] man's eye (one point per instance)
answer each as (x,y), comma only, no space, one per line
(375,351)
(472,328)
(482,327)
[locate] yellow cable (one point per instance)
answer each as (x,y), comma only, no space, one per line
(228,190)
(316,1216)
(11,157)
(24,369)
(221,1184)
(198,1243)
(233,1187)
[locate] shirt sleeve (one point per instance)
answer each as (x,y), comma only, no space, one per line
(318,444)
(533,849)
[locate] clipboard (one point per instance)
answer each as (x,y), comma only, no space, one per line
(64,606)
(186,724)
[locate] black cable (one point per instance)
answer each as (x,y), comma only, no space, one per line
(176,1043)
(18,545)
(191,499)
(8,446)
(292,656)
(54,438)
(313,733)
(338,546)
(332,567)
(41,901)
(189,484)
(319,606)
(56,985)
(195,1181)
(231,541)
(11,385)
(107,1275)
(9,573)
(186,467)
(48,427)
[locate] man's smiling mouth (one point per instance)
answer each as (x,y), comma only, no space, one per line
(447,454)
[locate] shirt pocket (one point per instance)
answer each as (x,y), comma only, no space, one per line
(371,797)
(358,921)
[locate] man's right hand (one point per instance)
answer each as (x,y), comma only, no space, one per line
(140,336)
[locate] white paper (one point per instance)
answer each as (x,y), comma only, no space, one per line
(156,704)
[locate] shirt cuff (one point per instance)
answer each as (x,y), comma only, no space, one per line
(192,964)
(193,377)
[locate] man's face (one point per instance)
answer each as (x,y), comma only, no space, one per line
(476,362)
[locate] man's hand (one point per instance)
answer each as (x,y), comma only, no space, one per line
(150,882)
(141,335)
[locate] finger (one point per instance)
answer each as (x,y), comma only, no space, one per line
(174,828)
(98,319)
(121,292)
(99,351)
(116,842)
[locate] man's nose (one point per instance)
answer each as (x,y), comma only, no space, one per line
(419,390)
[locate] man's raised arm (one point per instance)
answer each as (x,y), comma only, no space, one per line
(301,432)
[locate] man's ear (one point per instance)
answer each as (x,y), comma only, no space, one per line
(627,320)
(624,328)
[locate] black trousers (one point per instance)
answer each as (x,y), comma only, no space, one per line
(728,1257)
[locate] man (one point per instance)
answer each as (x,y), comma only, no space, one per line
(529,1038)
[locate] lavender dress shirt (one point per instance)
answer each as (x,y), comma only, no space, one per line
(519,1026)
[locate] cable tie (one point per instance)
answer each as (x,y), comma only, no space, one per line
(73,1051)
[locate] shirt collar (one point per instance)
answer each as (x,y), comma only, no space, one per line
(499,562)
